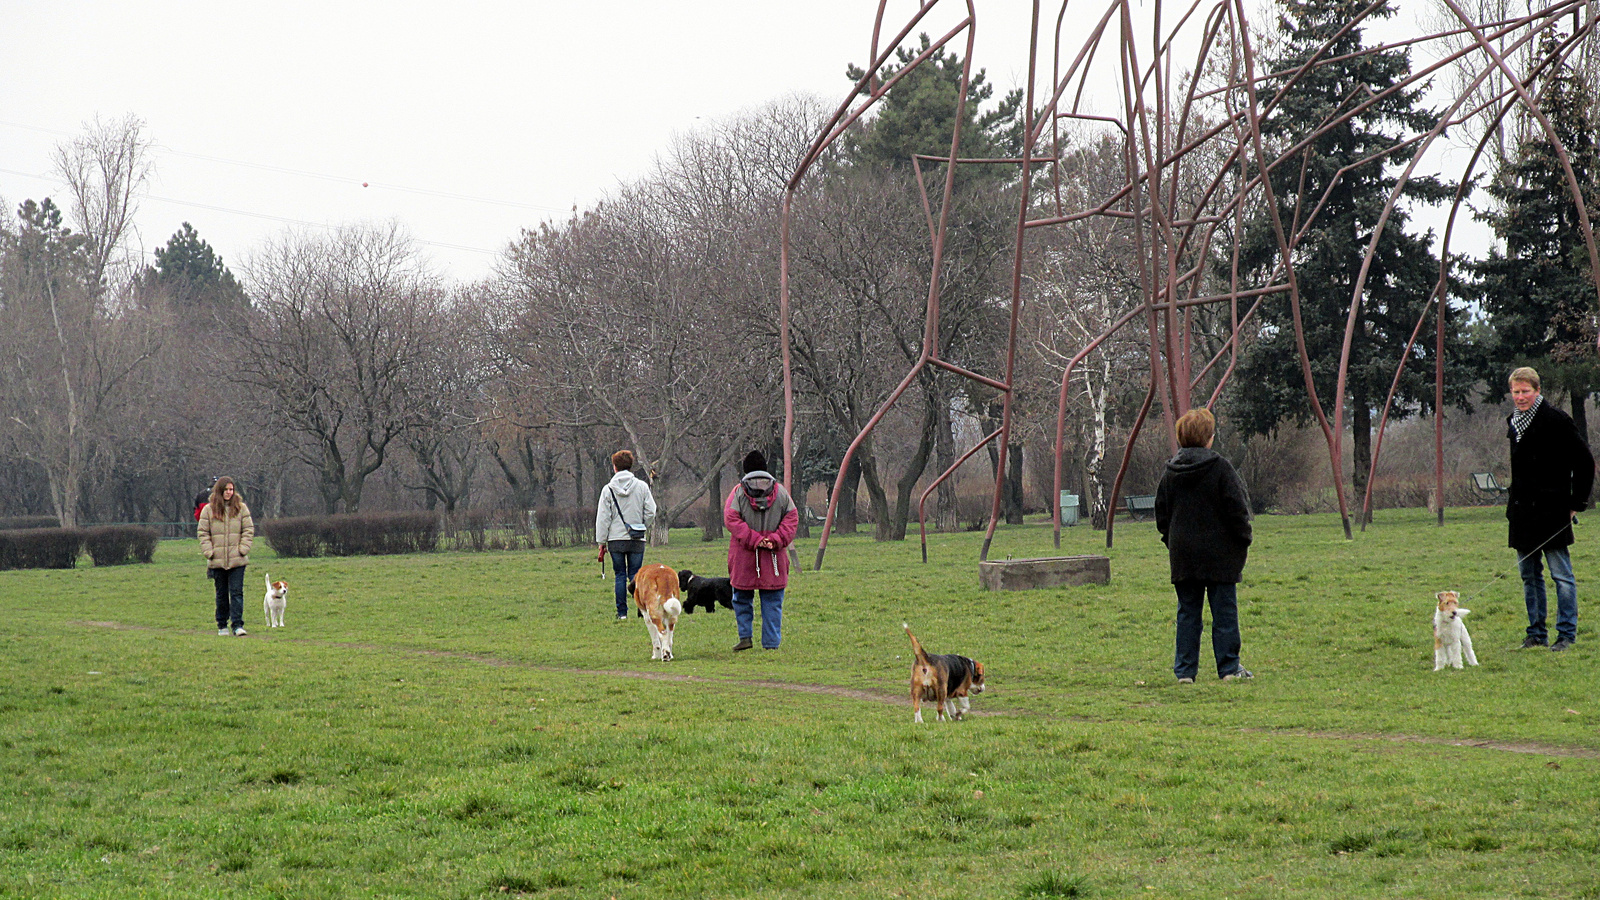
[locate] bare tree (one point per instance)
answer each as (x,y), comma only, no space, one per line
(339,347)
(68,364)
(105,169)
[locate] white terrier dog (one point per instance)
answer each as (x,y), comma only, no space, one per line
(276,599)
(1451,643)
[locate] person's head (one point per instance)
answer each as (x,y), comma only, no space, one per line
(1196,428)
(754,461)
(622,461)
(224,493)
(1524,388)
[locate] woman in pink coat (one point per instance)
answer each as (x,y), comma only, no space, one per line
(761,520)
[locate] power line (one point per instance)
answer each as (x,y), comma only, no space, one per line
(304,173)
(268,216)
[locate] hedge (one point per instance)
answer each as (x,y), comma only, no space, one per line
(14,523)
(114,545)
(40,548)
(353,534)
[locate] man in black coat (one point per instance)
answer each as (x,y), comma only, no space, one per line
(1552,473)
(1203,514)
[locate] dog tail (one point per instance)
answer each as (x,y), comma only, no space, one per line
(922,656)
(268,576)
(673,607)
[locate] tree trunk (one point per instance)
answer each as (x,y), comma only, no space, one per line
(944,456)
(1013,493)
(1361,451)
(711,524)
(882,528)
(906,486)
(845,520)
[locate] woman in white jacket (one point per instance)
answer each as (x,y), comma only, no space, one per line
(621,520)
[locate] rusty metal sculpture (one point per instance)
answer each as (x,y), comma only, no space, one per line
(1154,124)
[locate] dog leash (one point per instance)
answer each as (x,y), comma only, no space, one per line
(1520,558)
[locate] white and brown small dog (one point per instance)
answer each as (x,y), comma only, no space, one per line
(1451,643)
(276,599)
(945,678)
(655,592)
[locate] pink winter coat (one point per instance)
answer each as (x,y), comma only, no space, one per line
(762,568)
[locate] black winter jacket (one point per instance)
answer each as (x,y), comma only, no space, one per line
(1203,514)
(1552,473)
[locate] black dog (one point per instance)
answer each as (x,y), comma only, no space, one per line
(707,592)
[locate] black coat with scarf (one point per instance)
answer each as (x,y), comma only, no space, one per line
(1552,473)
(1203,514)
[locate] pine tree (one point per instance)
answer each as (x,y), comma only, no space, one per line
(1327,255)
(1538,293)
(191,274)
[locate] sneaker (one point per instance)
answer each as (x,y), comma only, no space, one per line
(223,632)
(622,618)
(1530,642)
(1187,679)
(1561,644)
(744,644)
(238,631)
(1240,674)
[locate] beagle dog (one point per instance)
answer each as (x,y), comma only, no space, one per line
(655,592)
(944,679)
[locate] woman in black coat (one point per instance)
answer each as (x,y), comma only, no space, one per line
(1203,514)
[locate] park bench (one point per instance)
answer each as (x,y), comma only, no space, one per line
(1487,485)
(1141,506)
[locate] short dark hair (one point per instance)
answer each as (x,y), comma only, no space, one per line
(622,460)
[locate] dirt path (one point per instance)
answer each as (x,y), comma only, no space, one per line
(887,697)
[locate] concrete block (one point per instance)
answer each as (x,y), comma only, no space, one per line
(1044,572)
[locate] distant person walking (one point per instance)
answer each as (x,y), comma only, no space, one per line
(226,532)
(622,519)
(761,520)
(1552,473)
(1203,514)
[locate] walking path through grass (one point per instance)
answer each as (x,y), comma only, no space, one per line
(873,696)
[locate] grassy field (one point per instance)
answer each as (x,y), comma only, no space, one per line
(477,725)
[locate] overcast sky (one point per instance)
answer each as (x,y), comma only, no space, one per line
(467,121)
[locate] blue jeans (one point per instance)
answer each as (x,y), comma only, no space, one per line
(1566,593)
(1224,627)
(625,565)
(230,597)
(771,615)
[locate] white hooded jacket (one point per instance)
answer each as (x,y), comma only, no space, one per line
(634,499)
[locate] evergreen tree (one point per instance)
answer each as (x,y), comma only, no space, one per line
(1328,253)
(1538,293)
(191,274)
(919,114)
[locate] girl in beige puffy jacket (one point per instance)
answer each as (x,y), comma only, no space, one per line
(226,532)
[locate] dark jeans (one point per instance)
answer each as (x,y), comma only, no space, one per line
(230,597)
(1224,627)
(625,564)
(1533,593)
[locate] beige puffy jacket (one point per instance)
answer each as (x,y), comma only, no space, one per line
(225,540)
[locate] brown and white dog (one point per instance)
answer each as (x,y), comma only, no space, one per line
(655,592)
(276,599)
(1451,643)
(944,679)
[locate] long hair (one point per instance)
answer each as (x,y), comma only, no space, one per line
(233,505)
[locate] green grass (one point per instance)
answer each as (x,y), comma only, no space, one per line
(476,725)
